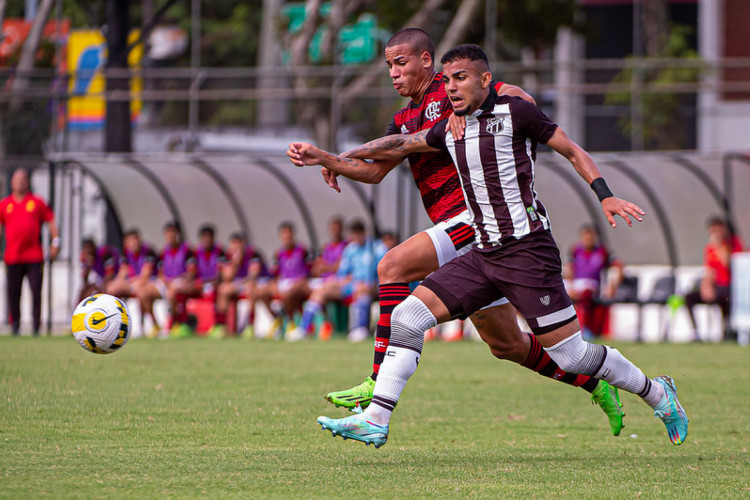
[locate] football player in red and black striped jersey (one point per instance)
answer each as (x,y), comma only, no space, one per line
(409,55)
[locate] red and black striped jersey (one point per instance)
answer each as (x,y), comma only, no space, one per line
(434,173)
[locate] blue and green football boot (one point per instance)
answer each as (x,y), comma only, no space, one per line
(670,411)
(356,427)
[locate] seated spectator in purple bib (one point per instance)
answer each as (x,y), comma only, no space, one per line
(172,269)
(290,271)
(588,262)
(138,266)
(243,269)
(355,281)
(326,264)
(201,279)
(99,266)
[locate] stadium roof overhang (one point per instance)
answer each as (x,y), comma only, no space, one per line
(255,192)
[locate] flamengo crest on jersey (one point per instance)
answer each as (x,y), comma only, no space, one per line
(432,112)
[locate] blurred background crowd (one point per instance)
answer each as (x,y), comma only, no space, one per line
(152,134)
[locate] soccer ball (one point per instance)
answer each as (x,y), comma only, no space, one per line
(101,323)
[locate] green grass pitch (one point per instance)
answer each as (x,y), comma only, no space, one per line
(228,419)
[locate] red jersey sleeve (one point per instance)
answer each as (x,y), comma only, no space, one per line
(45,212)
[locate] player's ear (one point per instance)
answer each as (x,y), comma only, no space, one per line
(426,59)
(486,79)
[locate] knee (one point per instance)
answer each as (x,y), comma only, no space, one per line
(391,267)
(411,317)
(509,349)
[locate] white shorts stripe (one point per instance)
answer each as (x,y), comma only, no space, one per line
(556,317)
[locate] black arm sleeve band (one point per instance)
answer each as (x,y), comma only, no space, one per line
(599,185)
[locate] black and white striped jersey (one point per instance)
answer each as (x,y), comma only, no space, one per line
(495,162)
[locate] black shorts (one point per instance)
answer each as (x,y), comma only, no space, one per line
(528,272)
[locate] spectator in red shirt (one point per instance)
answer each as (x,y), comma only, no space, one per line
(21,217)
(714,287)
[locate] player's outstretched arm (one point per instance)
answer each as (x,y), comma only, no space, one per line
(587,169)
(393,147)
(302,154)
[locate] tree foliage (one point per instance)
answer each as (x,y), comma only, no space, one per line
(663,125)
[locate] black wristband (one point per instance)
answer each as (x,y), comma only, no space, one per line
(599,185)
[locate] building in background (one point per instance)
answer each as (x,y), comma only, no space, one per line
(709,118)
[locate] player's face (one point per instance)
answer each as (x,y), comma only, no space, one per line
(718,231)
(389,241)
(286,235)
(88,250)
(171,237)
(132,243)
(206,240)
(588,238)
(19,182)
(235,245)
(467,85)
(335,230)
(408,69)
(358,237)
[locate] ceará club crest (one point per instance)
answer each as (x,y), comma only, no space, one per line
(494,125)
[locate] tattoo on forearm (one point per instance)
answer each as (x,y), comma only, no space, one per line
(397,145)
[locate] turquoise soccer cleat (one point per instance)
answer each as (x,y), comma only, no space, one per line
(674,417)
(356,427)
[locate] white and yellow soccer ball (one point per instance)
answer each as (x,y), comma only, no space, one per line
(101,323)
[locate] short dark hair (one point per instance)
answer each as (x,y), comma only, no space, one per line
(207,229)
(238,235)
(415,38)
(357,226)
(468,51)
(173,224)
(132,232)
(717,220)
(286,225)
(588,227)
(88,241)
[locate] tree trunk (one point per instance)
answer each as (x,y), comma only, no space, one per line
(3,3)
(28,54)
(655,26)
(117,128)
(271,112)
(458,27)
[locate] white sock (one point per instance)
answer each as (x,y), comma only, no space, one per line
(399,365)
(409,321)
(575,355)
